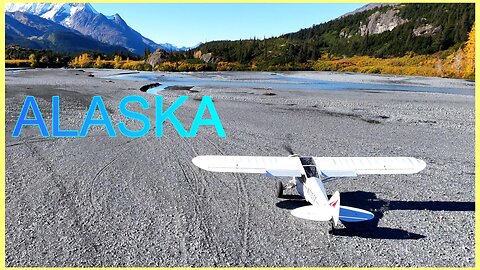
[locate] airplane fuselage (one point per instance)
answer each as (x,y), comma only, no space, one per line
(310,185)
(312,189)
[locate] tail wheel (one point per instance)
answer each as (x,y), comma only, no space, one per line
(279,189)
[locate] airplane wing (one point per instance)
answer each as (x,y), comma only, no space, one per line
(328,166)
(272,166)
(352,166)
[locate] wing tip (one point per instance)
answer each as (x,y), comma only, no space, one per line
(197,161)
(422,166)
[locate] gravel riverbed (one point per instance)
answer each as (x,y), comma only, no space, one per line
(102,201)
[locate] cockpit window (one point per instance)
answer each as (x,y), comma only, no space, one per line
(307,161)
(311,171)
(309,166)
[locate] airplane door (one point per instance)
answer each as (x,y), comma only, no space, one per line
(299,185)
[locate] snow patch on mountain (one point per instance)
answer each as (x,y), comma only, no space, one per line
(82,17)
(57,12)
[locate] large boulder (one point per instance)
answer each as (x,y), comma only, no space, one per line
(157,57)
(209,58)
(427,30)
(380,22)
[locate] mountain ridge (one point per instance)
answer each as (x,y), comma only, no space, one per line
(38,33)
(84,19)
(377,30)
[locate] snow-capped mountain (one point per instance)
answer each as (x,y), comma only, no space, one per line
(170,47)
(58,12)
(32,31)
(84,19)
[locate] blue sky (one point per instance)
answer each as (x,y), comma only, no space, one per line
(189,24)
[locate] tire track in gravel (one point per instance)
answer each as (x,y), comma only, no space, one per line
(203,184)
(99,172)
(31,140)
(243,209)
(148,205)
(128,184)
(85,235)
(180,223)
(200,217)
(202,212)
(120,153)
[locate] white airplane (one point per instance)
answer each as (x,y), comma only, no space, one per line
(309,175)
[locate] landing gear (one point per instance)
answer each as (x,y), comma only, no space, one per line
(279,189)
(333,225)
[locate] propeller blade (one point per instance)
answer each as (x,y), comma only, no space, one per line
(288,148)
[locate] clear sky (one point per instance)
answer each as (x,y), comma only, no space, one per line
(189,24)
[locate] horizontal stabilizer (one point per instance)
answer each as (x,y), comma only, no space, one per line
(350,214)
(347,213)
(312,212)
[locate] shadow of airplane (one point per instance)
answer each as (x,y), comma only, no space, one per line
(370,202)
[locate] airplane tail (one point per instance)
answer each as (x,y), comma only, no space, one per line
(333,211)
(334,204)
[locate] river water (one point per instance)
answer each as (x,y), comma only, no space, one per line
(280,81)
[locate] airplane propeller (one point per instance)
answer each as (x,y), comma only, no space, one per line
(289,149)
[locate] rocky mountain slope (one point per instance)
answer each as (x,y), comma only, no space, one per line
(83,19)
(35,32)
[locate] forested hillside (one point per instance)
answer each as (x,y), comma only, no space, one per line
(382,32)
(408,39)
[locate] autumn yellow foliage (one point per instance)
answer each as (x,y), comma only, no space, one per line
(17,62)
(463,60)
(453,63)
(457,64)
(469,51)
(83,60)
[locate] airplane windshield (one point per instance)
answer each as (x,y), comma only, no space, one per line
(309,166)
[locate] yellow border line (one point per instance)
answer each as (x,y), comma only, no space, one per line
(477,136)
(2,144)
(242,1)
(2,120)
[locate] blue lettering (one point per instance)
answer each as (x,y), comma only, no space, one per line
(30,102)
(56,131)
(102,118)
(134,115)
(103,121)
(207,103)
(168,114)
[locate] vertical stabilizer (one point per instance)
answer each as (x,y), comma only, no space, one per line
(334,204)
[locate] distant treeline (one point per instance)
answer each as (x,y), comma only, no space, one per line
(452,63)
(342,37)
(18,56)
(334,46)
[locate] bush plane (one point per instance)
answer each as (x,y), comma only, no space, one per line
(309,175)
